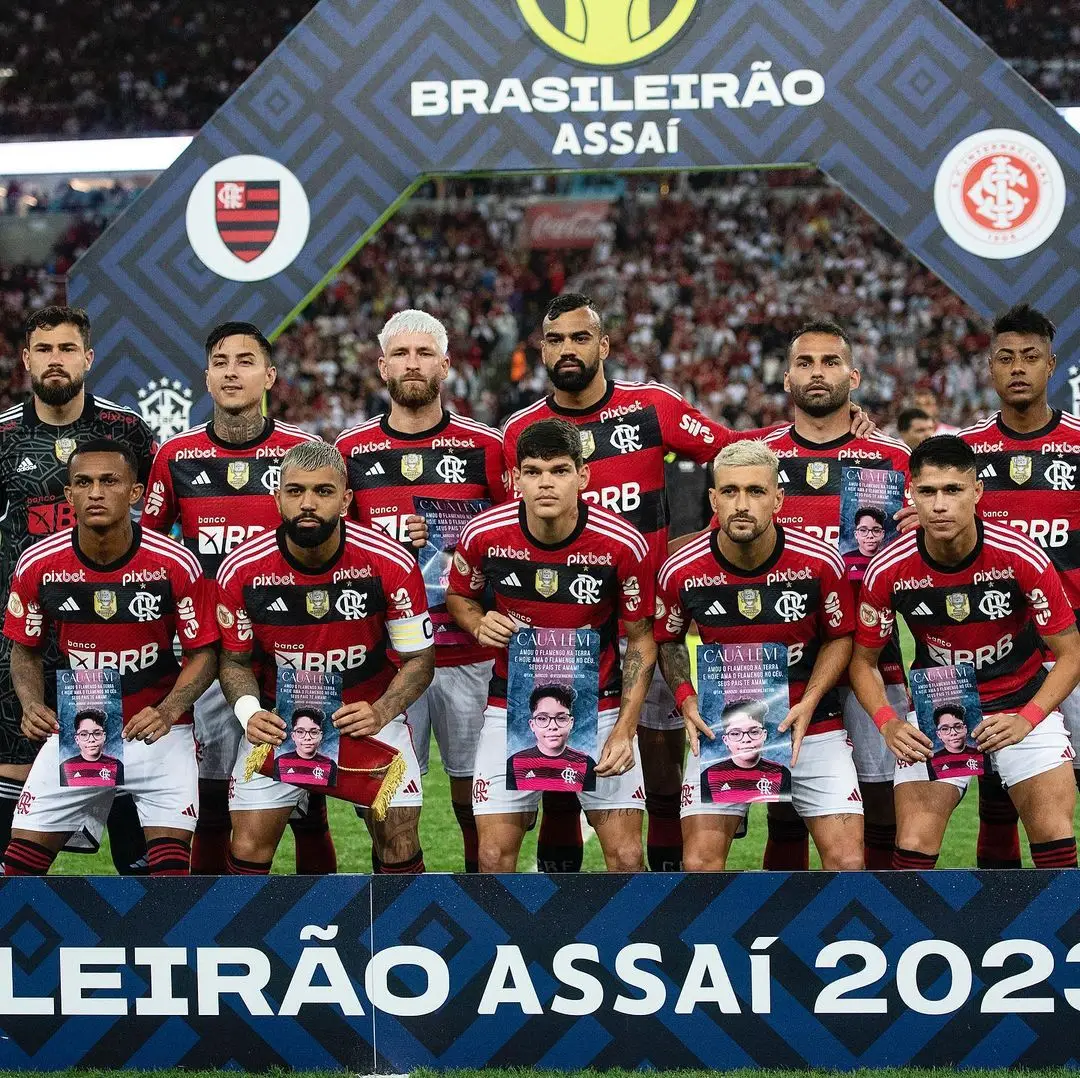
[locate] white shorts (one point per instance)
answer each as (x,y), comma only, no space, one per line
(873,761)
(659,711)
(823,782)
(162,778)
(217,734)
(1046,747)
(491,796)
(263,792)
(453,706)
(1070,711)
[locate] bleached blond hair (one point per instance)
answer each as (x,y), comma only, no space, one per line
(413,321)
(750,454)
(311,456)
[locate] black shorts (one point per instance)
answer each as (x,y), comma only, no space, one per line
(15,748)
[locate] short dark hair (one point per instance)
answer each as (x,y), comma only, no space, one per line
(107,445)
(314,713)
(871,511)
(94,714)
(909,416)
(950,709)
(563,693)
(755,709)
(572,301)
(547,439)
(51,317)
(819,325)
(237,329)
(942,451)
(1023,318)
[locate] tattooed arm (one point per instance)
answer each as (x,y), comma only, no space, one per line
(237,680)
(414,675)
(637,672)
(28,679)
(675,666)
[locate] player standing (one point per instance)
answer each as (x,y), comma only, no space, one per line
(813,451)
(37,439)
(422,450)
(117,596)
(218,480)
(321,593)
(554,561)
(749,581)
(979,593)
(1028,457)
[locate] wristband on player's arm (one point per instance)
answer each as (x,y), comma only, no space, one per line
(682,694)
(883,715)
(245,707)
(1032,712)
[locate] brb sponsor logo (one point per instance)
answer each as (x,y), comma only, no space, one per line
(334,661)
(619,499)
(999,193)
(222,538)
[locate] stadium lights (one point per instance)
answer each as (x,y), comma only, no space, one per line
(81,156)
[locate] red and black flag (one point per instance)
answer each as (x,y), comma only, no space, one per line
(247,214)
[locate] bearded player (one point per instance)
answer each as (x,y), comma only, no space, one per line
(752,581)
(324,594)
(37,439)
(420,450)
(1028,457)
(973,591)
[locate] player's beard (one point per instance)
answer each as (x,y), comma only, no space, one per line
(837,397)
(756,532)
(412,393)
(309,538)
(56,396)
(573,378)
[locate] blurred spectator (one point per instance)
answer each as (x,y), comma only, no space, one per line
(914,426)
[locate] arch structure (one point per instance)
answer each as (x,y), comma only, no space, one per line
(898,102)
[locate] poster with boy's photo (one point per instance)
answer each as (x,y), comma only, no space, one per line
(947,709)
(446,519)
(90,714)
(870,498)
(307,700)
(552,702)
(743,696)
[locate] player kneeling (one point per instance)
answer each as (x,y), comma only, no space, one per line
(977,593)
(324,595)
(117,596)
(752,582)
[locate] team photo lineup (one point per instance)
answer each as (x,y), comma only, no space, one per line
(210,640)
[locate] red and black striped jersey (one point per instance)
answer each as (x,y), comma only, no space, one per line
(624,438)
(799,597)
(222,492)
(104,771)
(317,770)
(727,783)
(530,769)
(333,619)
(990,610)
(457,459)
(1031,482)
(951,765)
(598,574)
(121,616)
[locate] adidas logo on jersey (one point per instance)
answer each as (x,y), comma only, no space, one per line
(279,605)
(988,472)
(782,478)
(376,469)
(201,480)
(26,465)
(511,581)
(922,610)
(530,774)
(69,606)
(715,609)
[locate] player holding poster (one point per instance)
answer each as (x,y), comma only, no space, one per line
(422,451)
(554,560)
(552,707)
(743,696)
(973,592)
(946,700)
(307,701)
(445,519)
(870,499)
(750,581)
(90,714)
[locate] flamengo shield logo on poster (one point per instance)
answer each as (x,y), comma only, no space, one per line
(247,218)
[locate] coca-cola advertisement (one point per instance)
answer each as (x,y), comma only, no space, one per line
(564,223)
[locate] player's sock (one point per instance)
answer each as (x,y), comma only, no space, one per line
(127,843)
(412,867)
(376,864)
(210,846)
(999,838)
(169,857)
(467,822)
(1076,776)
(1061,853)
(10,792)
(24,858)
(879,842)
(560,847)
(913,860)
(663,841)
(788,847)
(315,853)
(235,867)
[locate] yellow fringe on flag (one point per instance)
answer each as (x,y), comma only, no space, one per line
(255,760)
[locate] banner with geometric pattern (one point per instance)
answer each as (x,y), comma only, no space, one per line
(949,968)
(904,107)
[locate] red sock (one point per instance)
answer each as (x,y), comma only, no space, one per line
(168,857)
(22,858)
(1061,853)
(999,839)
(913,860)
(235,867)
(412,867)
(663,842)
(788,847)
(560,847)
(467,822)
(315,853)
(879,842)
